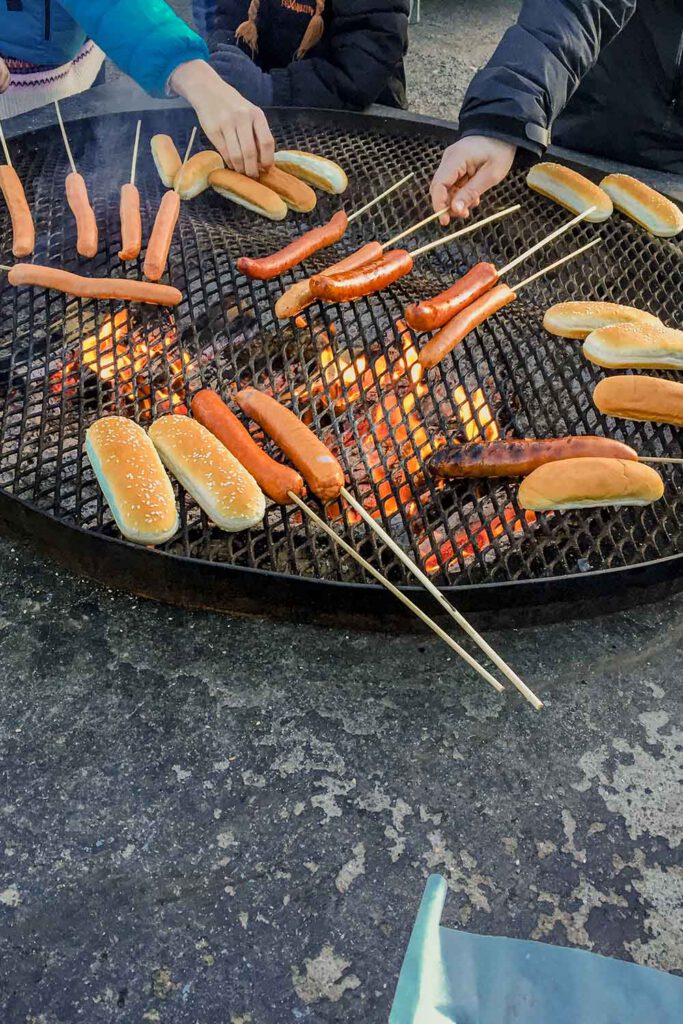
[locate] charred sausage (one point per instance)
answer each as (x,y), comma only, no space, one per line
(77,197)
(318,466)
(273,478)
(159,242)
(301,248)
(431,314)
(299,295)
(93,287)
(364,280)
(23,231)
(445,340)
(519,457)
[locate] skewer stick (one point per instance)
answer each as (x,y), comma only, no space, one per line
(3,266)
(545,241)
(557,263)
(660,458)
(136,145)
(65,137)
(382,195)
(465,231)
(5,150)
(189,147)
(435,592)
(484,673)
(415,227)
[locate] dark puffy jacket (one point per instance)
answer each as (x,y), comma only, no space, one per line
(358,61)
(601,76)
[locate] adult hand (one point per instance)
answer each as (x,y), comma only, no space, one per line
(4,76)
(468,168)
(237,128)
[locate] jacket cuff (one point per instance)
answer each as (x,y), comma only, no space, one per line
(154,79)
(529,136)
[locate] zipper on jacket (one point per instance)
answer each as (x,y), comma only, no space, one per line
(48,18)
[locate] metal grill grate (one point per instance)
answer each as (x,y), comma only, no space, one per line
(224,335)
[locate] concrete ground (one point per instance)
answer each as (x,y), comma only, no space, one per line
(206,819)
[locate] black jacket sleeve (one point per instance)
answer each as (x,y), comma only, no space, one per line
(537,66)
(363,45)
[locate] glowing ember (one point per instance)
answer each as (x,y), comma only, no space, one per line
(477,540)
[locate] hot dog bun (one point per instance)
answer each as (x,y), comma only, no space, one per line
(133,481)
(193,178)
(570,189)
(587,483)
(296,193)
(218,483)
(652,211)
(579,319)
(166,158)
(316,170)
(640,398)
(248,193)
(632,347)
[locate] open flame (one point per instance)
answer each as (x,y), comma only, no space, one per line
(139,369)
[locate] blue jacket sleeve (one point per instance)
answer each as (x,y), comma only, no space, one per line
(537,66)
(145,38)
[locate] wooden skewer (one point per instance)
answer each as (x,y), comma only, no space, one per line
(545,241)
(136,145)
(381,196)
(465,231)
(551,266)
(5,150)
(415,227)
(660,459)
(436,593)
(189,147)
(65,137)
(484,673)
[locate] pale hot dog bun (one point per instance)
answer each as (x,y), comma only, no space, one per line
(193,178)
(579,319)
(218,483)
(570,189)
(652,211)
(588,483)
(640,398)
(166,158)
(316,170)
(634,347)
(246,192)
(133,481)
(297,194)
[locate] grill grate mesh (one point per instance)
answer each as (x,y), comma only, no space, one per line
(224,335)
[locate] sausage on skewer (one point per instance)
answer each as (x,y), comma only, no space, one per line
(445,340)
(299,295)
(131,224)
(159,242)
(23,231)
(430,314)
(273,478)
(482,459)
(77,197)
(368,278)
(319,468)
(301,248)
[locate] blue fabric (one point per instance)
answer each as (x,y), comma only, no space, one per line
(145,38)
(453,977)
(239,71)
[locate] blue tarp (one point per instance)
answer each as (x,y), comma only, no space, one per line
(453,977)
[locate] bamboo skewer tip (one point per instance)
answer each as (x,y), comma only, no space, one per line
(65,137)
(136,146)
(466,230)
(382,195)
(551,266)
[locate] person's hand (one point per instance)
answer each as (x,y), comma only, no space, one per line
(238,129)
(468,168)
(4,76)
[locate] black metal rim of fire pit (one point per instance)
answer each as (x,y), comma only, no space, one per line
(197,581)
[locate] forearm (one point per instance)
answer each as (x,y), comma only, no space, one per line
(148,41)
(537,66)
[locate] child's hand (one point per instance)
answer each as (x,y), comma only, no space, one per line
(469,168)
(4,76)
(238,129)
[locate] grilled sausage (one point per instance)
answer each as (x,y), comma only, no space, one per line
(159,242)
(364,280)
(445,340)
(434,313)
(272,477)
(93,287)
(301,248)
(23,232)
(519,457)
(318,466)
(299,295)
(77,197)
(131,223)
